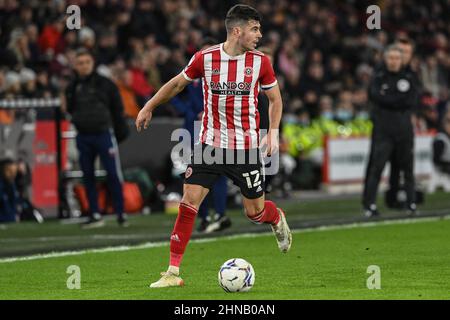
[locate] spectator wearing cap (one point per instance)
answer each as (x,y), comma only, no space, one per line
(86,37)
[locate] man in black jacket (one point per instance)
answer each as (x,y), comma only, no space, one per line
(407,48)
(392,92)
(96,108)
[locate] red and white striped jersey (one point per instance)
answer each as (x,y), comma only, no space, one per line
(230,93)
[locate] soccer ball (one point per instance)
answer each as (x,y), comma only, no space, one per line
(236,275)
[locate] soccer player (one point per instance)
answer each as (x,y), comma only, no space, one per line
(232,74)
(192,107)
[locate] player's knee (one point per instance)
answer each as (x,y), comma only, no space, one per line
(193,195)
(253,211)
(191,199)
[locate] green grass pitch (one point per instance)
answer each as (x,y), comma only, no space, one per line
(413,258)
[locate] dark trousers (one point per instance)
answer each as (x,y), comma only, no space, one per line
(394,175)
(105,146)
(399,148)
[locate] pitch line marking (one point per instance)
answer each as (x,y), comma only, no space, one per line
(237,236)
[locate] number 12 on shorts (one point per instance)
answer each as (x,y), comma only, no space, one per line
(252,174)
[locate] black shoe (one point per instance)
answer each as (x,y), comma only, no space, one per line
(204,223)
(94,221)
(122,220)
(222,223)
(371,212)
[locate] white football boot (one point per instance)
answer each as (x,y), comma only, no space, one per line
(170,278)
(282,233)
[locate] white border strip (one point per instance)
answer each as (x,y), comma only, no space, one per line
(237,236)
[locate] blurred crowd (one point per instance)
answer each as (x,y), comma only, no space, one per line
(324,54)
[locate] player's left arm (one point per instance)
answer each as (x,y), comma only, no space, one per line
(270,86)
(275,107)
(275,113)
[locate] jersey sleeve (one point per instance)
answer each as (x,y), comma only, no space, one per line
(267,75)
(194,69)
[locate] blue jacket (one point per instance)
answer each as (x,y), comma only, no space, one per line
(190,105)
(9,200)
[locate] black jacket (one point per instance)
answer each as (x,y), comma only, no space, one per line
(394,96)
(96,106)
(394,91)
(417,85)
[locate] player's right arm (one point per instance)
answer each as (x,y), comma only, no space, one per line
(192,71)
(167,92)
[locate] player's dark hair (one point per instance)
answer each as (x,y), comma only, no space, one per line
(239,14)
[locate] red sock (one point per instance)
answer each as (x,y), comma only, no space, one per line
(268,215)
(181,233)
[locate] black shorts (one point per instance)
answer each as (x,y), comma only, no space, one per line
(243,167)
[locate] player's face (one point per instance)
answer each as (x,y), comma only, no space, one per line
(407,53)
(393,60)
(250,35)
(84,65)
